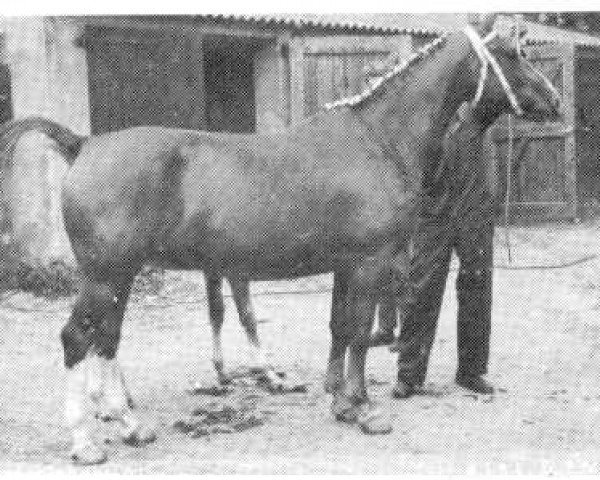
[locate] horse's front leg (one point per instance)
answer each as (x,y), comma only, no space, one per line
(362,298)
(112,300)
(341,408)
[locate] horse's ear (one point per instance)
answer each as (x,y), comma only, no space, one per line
(484,22)
(521,25)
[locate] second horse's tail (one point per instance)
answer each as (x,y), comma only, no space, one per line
(69,143)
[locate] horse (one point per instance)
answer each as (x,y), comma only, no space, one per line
(335,193)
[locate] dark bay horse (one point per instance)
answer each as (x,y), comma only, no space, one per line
(336,193)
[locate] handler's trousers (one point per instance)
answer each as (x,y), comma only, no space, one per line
(434,241)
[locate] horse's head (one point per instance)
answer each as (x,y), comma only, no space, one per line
(507,80)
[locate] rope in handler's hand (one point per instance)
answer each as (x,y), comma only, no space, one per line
(509,155)
(554,266)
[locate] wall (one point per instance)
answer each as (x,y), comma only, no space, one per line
(49,78)
(271,72)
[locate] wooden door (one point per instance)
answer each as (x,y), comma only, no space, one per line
(6,114)
(587,124)
(325,69)
(144,78)
(543,179)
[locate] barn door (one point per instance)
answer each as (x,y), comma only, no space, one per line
(329,68)
(543,180)
(587,123)
(143,78)
(6,114)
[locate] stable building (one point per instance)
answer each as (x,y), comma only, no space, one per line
(259,73)
(247,73)
(555,166)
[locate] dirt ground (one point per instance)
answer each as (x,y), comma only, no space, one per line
(545,357)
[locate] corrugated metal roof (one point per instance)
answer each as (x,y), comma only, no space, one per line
(416,24)
(539,33)
(536,32)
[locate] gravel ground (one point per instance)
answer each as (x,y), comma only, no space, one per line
(545,357)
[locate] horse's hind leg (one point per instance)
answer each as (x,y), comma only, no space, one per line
(93,331)
(243,303)
(216,308)
(77,339)
(116,396)
(85,368)
(98,374)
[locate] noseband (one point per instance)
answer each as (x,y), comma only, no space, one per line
(487,59)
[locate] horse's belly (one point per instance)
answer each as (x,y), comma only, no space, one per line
(273,261)
(286,233)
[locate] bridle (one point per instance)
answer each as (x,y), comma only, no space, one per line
(487,59)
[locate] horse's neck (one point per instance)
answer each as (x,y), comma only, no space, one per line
(412,114)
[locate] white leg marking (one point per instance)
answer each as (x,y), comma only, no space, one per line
(258,361)
(96,368)
(76,406)
(217,348)
(257,356)
(116,399)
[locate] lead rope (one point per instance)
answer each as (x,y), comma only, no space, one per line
(509,155)
(486,59)
(509,159)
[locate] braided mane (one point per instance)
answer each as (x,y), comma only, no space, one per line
(397,70)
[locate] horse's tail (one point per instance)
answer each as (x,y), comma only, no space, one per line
(69,143)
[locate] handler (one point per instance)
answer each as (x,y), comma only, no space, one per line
(457,214)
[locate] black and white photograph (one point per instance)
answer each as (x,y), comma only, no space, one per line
(239,242)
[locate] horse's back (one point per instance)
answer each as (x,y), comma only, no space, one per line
(230,197)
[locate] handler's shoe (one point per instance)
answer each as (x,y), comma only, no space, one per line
(381,337)
(403,389)
(475,383)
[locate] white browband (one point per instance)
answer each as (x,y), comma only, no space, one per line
(487,59)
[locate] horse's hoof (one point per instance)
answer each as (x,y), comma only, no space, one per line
(140,437)
(372,420)
(343,409)
(332,385)
(275,387)
(89,454)
(274,383)
(347,416)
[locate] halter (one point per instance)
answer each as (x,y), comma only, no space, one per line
(487,59)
